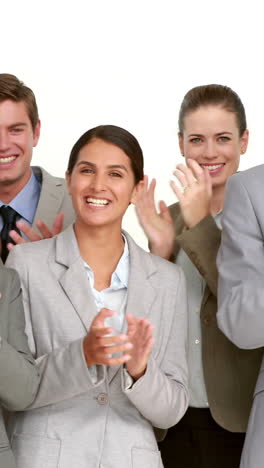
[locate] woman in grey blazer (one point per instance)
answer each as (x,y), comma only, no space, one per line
(19,378)
(105,323)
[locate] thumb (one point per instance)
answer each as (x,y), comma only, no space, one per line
(164,211)
(98,321)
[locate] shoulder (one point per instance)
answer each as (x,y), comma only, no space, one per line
(31,251)
(47,178)
(151,264)
(248,177)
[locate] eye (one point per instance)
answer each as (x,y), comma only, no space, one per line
(224,138)
(115,174)
(87,170)
(196,140)
(16,130)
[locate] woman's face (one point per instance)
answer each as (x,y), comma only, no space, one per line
(102,184)
(211,137)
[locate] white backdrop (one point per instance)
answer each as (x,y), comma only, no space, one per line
(129,63)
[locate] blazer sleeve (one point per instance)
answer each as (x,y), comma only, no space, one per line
(63,372)
(201,244)
(19,378)
(241,270)
(161,394)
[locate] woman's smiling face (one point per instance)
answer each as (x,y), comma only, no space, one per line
(211,137)
(102,184)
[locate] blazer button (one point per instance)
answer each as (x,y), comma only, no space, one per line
(102,398)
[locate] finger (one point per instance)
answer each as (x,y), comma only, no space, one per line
(10,246)
(43,229)
(180,176)
(188,173)
(197,170)
(164,211)
(58,224)
(177,190)
(28,231)
(101,331)
(99,319)
(116,348)
(208,181)
(110,340)
(16,237)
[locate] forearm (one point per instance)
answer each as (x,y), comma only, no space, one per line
(64,374)
(159,398)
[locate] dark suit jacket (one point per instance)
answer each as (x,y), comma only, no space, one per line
(19,378)
(230,373)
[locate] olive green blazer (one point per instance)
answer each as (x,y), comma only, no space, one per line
(230,372)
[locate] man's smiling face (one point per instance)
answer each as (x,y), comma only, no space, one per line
(17,139)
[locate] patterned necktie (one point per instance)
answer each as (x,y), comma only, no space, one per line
(10,216)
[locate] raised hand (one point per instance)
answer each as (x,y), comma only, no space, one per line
(45,232)
(98,347)
(140,335)
(195,193)
(158,227)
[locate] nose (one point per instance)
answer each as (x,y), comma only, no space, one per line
(4,141)
(98,182)
(210,150)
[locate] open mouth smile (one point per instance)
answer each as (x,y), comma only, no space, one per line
(97,201)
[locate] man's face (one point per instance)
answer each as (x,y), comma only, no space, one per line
(17,139)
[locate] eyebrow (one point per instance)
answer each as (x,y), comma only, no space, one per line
(18,124)
(111,166)
(217,134)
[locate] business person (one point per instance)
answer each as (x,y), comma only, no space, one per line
(92,298)
(29,196)
(212,136)
(241,296)
(19,378)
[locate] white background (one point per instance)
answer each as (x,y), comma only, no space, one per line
(129,63)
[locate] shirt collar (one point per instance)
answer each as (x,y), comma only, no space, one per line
(26,201)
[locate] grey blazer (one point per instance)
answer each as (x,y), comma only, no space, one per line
(53,199)
(76,421)
(19,378)
(241,287)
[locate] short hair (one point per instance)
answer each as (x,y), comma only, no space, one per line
(11,88)
(213,94)
(117,136)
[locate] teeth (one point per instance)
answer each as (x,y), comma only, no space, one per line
(211,168)
(7,160)
(96,201)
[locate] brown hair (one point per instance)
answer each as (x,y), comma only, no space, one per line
(13,89)
(117,136)
(213,94)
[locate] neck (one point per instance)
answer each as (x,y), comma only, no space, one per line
(101,246)
(217,201)
(9,190)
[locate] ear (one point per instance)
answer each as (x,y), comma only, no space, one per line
(136,192)
(68,181)
(36,133)
(181,145)
(244,141)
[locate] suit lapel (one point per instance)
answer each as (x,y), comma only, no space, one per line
(51,196)
(74,280)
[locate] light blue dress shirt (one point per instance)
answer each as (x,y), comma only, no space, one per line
(114,297)
(26,201)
